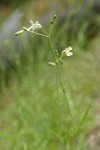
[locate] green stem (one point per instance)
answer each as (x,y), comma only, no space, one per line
(53,50)
(50,30)
(39,34)
(60,77)
(45,32)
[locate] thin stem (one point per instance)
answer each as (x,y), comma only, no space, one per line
(50,30)
(38,34)
(57,87)
(53,49)
(60,77)
(45,32)
(63,90)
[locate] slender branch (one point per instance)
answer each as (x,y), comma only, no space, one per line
(39,34)
(50,29)
(45,32)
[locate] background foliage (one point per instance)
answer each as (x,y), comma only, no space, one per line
(33,116)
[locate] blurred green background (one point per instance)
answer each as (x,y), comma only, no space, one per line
(32,114)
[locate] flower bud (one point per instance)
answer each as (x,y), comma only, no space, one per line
(25,29)
(52,63)
(51,21)
(19,32)
(54,17)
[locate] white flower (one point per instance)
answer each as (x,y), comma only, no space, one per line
(34,26)
(67,52)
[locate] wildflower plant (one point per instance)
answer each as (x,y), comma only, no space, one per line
(34,28)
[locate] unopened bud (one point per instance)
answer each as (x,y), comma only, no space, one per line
(25,29)
(56,52)
(52,63)
(51,21)
(54,17)
(19,32)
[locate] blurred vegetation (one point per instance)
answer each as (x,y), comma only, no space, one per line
(14,3)
(31,116)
